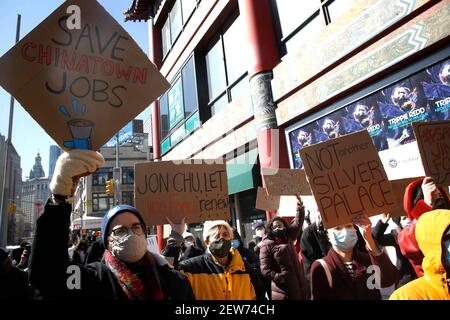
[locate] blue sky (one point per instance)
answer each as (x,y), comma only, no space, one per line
(33,12)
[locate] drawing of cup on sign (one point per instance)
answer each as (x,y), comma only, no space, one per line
(81,132)
(80,129)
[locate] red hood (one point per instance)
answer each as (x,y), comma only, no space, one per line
(415,211)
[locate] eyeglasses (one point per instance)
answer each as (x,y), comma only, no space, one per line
(137,229)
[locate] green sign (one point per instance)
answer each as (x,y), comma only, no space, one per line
(176,107)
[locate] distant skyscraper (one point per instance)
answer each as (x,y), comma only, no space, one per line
(55,152)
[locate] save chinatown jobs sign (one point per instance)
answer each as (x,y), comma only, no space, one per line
(198,192)
(347,178)
(81,85)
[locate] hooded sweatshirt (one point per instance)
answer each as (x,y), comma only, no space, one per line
(407,238)
(433,285)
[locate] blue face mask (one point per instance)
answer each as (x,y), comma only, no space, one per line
(344,239)
(235,243)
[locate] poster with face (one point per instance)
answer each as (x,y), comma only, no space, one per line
(400,105)
(436,88)
(386,114)
(365,114)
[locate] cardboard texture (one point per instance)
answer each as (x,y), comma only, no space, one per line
(286,182)
(81,85)
(265,201)
(198,192)
(398,189)
(288,206)
(347,178)
(433,140)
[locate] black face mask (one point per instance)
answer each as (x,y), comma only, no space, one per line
(220,248)
(279,233)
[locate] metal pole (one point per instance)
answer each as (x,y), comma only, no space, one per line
(4,198)
(116,174)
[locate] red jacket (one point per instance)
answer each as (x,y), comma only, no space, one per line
(407,237)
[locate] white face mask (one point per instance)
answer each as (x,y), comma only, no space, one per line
(130,248)
(260,233)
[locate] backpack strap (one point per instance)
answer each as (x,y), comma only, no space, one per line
(327,272)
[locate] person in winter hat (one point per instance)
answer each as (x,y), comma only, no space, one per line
(127,271)
(433,237)
(421,196)
(221,273)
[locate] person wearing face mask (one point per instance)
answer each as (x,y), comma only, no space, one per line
(405,269)
(421,196)
(279,259)
(343,274)
(246,254)
(189,247)
(260,232)
(433,237)
(221,273)
(128,271)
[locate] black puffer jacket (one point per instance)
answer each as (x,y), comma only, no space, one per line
(50,273)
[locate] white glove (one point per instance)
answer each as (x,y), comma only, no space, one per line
(71,164)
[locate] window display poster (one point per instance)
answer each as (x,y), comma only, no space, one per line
(386,114)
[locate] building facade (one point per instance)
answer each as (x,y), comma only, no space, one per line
(90,198)
(261,78)
(35,192)
(12,192)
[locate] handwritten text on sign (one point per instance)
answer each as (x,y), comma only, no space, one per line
(433,139)
(347,178)
(196,191)
(84,77)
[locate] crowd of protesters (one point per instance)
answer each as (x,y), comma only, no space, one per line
(296,260)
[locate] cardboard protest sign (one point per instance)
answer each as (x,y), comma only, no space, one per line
(288,206)
(285,182)
(81,85)
(265,201)
(398,190)
(198,192)
(433,140)
(347,178)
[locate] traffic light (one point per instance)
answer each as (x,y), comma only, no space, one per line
(110,187)
(11,207)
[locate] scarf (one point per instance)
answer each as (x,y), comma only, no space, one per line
(131,283)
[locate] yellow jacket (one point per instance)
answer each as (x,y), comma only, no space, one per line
(433,285)
(210,281)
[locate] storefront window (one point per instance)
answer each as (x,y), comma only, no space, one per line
(128,197)
(127,175)
(177,17)
(101,202)
(225,65)
(299,21)
(100,177)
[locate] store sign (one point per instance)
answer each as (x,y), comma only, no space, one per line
(387,115)
(347,178)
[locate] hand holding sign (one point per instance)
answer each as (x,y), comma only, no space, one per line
(179,228)
(430,191)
